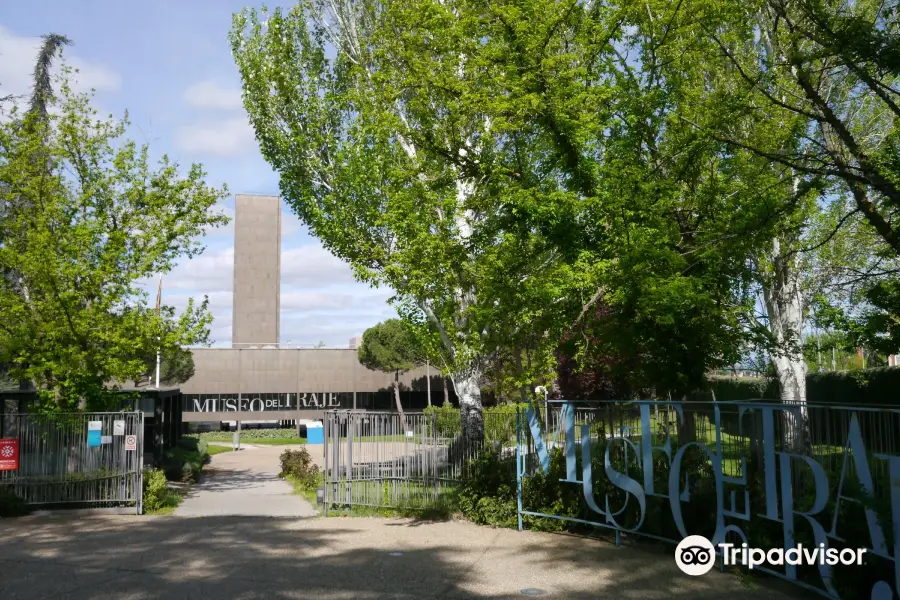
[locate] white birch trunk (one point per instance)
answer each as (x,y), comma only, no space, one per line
(468,390)
(340,19)
(784,308)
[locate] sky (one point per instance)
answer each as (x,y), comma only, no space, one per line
(169,64)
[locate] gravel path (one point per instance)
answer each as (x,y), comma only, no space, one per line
(247,558)
(244,483)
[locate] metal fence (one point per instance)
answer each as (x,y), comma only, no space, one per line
(767,474)
(764,474)
(57,466)
(379,459)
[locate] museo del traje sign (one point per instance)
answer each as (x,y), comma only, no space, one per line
(266,402)
(778,503)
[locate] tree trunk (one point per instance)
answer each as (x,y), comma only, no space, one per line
(468,390)
(397,400)
(446,391)
(784,307)
(428,382)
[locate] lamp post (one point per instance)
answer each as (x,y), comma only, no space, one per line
(158,338)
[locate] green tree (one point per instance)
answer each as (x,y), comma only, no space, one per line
(802,114)
(391,347)
(176,361)
(327,103)
(505,168)
(81,227)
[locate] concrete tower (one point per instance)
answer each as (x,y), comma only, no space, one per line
(255,315)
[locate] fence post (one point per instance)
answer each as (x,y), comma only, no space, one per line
(326,431)
(518,468)
(139,450)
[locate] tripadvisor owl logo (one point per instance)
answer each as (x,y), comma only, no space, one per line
(696,555)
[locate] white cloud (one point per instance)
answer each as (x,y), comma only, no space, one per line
(219,302)
(229,137)
(313,266)
(335,329)
(17,56)
(290,223)
(356,297)
(208,94)
(212,271)
(226,230)
(313,301)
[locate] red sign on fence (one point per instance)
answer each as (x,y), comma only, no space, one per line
(9,454)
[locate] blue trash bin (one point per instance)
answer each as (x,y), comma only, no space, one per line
(314,433)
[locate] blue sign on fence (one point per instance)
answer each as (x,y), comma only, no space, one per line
(95,433)
(809,465)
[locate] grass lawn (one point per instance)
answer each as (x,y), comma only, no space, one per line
(274,441)
(384,438)
(213,450)
(308,494)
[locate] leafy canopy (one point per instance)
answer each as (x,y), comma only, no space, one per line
(390,347)
(85,218)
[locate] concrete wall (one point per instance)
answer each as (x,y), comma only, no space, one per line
(306,380)
(257,271)
(288,370)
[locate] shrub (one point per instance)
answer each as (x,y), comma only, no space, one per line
(447,423)
(185,461)
(155,489)
(298,464)
(12,505)
(193,444)
(872,387)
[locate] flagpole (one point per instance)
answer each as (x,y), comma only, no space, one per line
(158,339)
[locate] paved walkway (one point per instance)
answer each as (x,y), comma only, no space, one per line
(249,558)
(244,483)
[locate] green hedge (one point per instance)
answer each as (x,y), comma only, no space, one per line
(867,387)
(12,505)
(876,387)
(728,389)
(246,434)
(499,422)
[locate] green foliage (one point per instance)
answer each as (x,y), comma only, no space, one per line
(12,505)
(155,489)
(499,422)
(447,421)
(298,464)
(248,435)
(390,347)
(727,389)
(86,217)
(176,365)
(488,495)
(306,486)
(866,387)
(863,387)
(185,461)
